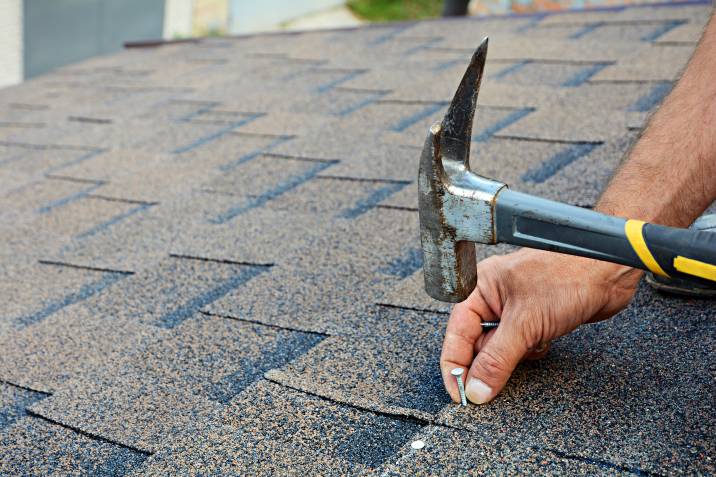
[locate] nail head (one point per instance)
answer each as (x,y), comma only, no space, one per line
(417,445)
(457,372)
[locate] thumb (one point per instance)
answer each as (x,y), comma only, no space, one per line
(495,363)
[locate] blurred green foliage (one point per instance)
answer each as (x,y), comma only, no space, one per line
(395,10)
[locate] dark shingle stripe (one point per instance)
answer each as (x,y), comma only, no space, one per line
(377,196)
(83,293)
(233,164)
(79,180)
(242,275)
(584,75)
(588,70)
(82,158)
(511,118)
(510,137)
(289,346)
(426,112)
(371,98)
(216,134)
(652,99)
(377,441)
(511,69)
(588,28)
(285,186)
(113,220)
(535,21)
(663,30)
(325,87)
(389,36)
(559,161)
(298,72)
(449,64)
(423,46)
(69,198)
(198,112)
(403,267)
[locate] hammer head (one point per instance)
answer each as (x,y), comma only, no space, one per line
(456,206)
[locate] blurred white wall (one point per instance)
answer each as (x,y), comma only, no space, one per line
(251,16)
(11,69)
(177,19)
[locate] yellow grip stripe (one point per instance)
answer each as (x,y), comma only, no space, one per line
(634,233)
(695,268)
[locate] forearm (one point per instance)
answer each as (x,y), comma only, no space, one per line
(669,177)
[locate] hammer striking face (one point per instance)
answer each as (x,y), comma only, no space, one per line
(456,205)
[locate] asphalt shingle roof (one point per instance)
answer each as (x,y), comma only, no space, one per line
(211,265)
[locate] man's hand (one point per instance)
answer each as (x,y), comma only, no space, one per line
(537,296)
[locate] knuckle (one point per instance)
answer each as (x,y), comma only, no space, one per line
(530,329)
(492,364)
(486,264)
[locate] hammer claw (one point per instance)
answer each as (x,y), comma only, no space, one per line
(456,126)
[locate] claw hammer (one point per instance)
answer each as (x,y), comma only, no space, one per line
(459,207)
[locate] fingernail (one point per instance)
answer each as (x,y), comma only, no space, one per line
(477,391)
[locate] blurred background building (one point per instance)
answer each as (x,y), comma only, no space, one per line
(39,35)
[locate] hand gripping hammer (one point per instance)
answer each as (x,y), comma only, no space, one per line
(459,207)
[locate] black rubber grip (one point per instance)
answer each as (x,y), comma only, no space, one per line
(666,243)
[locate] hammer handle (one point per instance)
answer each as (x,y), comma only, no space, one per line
(530,221)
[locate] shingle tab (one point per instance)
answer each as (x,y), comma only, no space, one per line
(395,370)
(33,446)
(275,430)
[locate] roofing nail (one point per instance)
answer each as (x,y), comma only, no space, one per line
(458,372)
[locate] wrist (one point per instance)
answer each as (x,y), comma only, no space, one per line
(615,273)
(598,271)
